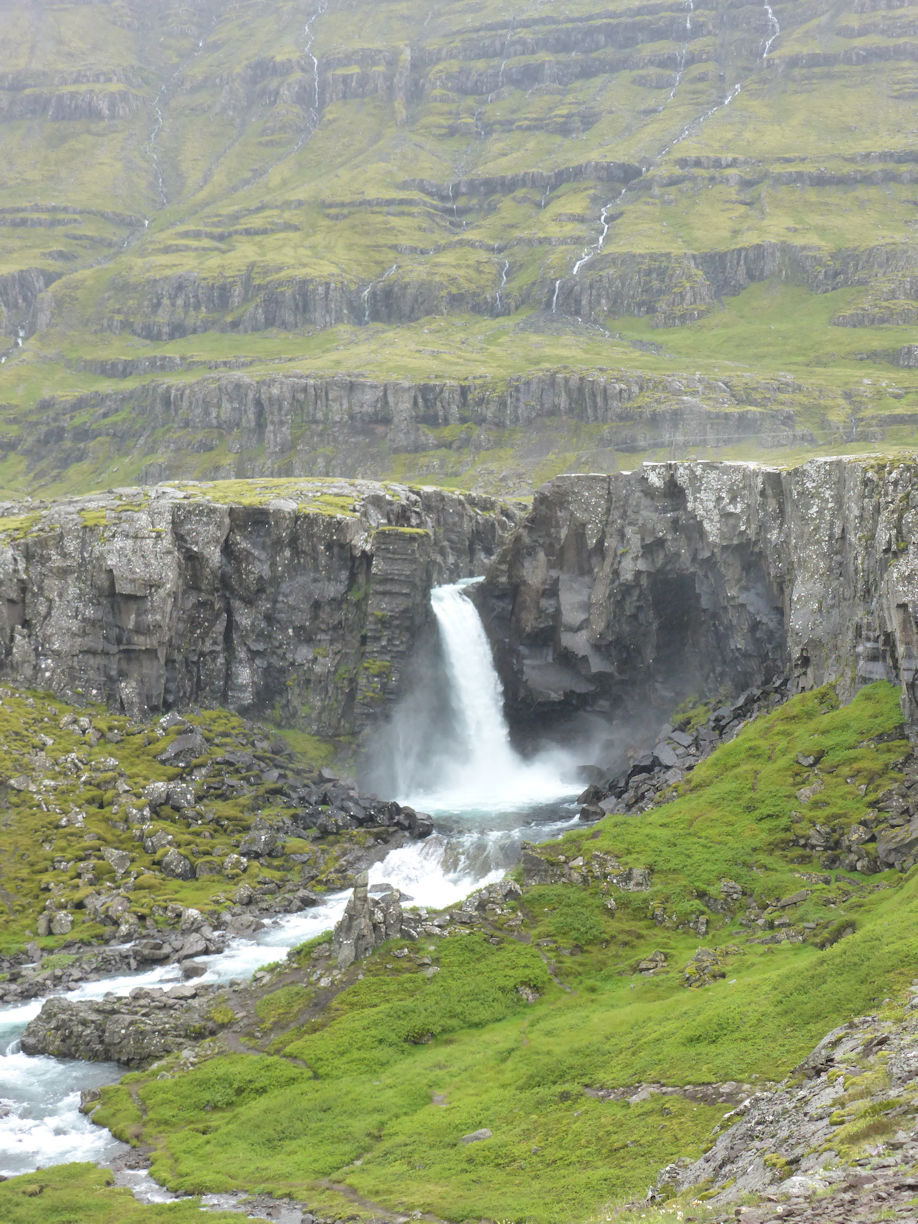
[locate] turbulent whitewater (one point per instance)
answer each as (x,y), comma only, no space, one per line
(468,763)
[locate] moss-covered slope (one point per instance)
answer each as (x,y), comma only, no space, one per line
(112,827)
(714,197)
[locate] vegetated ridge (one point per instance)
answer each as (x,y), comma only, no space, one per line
(561,1041)
(479,244)
(543,1051)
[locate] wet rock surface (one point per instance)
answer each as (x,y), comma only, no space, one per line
(677,751)
(134,1031)
(626,594)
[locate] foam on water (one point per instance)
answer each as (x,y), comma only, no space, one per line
(244,956)
(481,774)
(485,799)
(40,1120)
(41,1123)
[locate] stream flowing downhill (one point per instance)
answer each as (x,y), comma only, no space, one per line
(484,798)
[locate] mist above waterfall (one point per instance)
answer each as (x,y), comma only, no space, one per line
(447,747)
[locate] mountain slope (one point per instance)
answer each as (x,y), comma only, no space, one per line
(709,202)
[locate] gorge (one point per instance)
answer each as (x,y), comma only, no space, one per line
(609,604)
(673,581)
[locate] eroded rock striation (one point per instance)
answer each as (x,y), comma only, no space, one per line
(301,599)
(641,589)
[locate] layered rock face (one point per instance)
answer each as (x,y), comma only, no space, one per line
(304,605)
(638,590)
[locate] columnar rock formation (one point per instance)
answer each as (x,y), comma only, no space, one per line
(681,579)
(305,598)
(302,599)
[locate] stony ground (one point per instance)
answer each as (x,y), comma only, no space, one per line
(835,1144)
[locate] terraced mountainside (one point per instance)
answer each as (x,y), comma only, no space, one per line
(476,243)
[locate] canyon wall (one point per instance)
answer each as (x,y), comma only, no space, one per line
(618,594)
(244,425)
(300,599)
(641,590)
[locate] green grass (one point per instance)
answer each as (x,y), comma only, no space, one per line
(377,1090)
(45,859)
(82,1192)
(260,205)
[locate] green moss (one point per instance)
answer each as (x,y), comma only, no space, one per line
(72,1192)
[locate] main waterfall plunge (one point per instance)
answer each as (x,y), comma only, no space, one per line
(447,751)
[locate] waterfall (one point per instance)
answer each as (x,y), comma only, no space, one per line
(469,764)
(483,741)
(462,767)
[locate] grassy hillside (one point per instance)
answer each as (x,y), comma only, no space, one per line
(590,1027)
(399,192)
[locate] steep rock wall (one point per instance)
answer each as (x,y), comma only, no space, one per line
(641,589)
(352,426)
(672,287)
(305,605)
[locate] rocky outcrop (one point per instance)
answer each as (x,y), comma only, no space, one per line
(133,1031)
(366,923)
(352,426)
(148,599)
(677,288)
(19,294)
(637,590)
(782,1143)
(672,287)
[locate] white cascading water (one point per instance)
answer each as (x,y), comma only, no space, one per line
(484,798)
(484,772)
(40,1119)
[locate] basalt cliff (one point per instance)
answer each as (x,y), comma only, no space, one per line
(679,580)
(473,243)
(615,593)
(294,599)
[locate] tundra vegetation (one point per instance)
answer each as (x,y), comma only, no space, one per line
(543,1021)
(202,209)
(341,240)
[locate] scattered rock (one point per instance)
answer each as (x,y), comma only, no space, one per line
(176,865)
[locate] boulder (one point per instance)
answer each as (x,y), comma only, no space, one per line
(120,860)
(133,1031)
(367,922)
(176,865)
(898,847)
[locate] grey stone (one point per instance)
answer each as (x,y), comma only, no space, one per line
(367,922)
(703,576)
(175,864)
(353,585)
(120,860)
(896,847)
(61,923)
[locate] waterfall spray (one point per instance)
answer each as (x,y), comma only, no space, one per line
(477,767)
